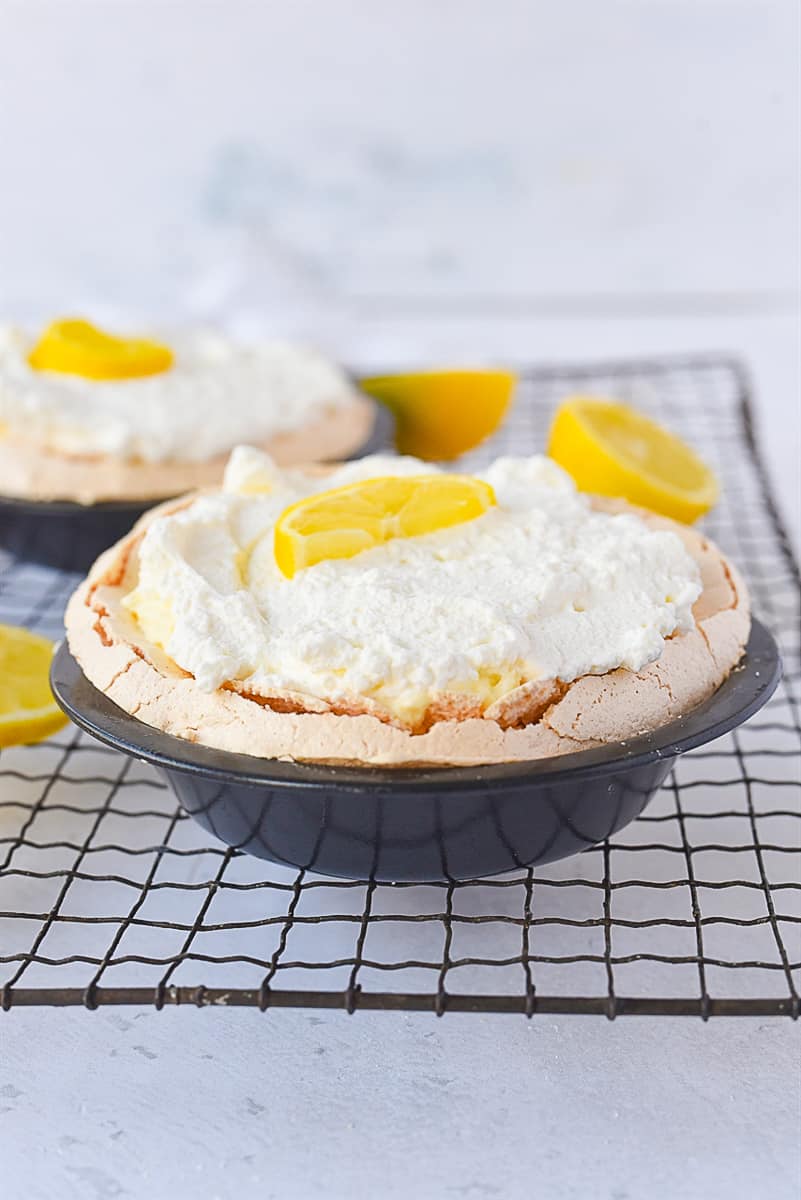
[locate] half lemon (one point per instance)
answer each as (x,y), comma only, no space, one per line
(613,450)
(442,414)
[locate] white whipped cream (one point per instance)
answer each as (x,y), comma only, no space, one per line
(538,587)
(216,393)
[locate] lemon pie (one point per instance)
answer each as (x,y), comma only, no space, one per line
(88,415)
(387,613)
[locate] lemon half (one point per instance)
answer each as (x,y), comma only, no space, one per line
(442,414)
(613,450)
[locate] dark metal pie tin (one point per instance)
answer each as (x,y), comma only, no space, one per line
(416,824)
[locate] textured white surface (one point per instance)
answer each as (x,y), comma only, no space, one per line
(418,182)
(229,1104)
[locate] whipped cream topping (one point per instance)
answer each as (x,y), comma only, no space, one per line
(537,588)
(217,393)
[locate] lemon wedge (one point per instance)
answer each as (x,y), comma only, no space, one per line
(346,520)
(76,347)
(28,711)
(442,414)
(613,450)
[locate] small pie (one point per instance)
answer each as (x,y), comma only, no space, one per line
(387,613)
(88,416)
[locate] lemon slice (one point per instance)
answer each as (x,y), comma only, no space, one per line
(28,711)
(442,414)
(613,450)
(75,347)
(346,520)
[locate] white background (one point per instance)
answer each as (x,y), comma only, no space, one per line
(427,181)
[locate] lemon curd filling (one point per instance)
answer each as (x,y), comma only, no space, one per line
(533,585)
(486,686)
(153,614)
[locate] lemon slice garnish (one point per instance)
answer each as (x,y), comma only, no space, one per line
(346,520)
(613,450)
(28,711)
(442,414)
(76,347)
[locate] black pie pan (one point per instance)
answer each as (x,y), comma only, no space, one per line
(70,536)
(63,533)
(416,824)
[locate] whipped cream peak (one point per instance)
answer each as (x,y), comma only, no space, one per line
(217,393)
(539,587)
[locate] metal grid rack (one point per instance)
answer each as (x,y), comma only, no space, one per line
(110,895)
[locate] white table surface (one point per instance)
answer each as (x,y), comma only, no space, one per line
(409,183)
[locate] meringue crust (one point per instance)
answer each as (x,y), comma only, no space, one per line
(32,472)
(537,720)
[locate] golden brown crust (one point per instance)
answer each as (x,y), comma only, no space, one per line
(30,472)
(537,720)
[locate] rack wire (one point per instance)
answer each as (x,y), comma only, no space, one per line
(110,895)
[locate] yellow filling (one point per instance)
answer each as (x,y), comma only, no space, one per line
(153,614)
(488,686)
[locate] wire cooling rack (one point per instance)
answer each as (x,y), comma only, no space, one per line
(110,895)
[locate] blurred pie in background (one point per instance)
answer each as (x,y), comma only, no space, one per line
(87,416)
